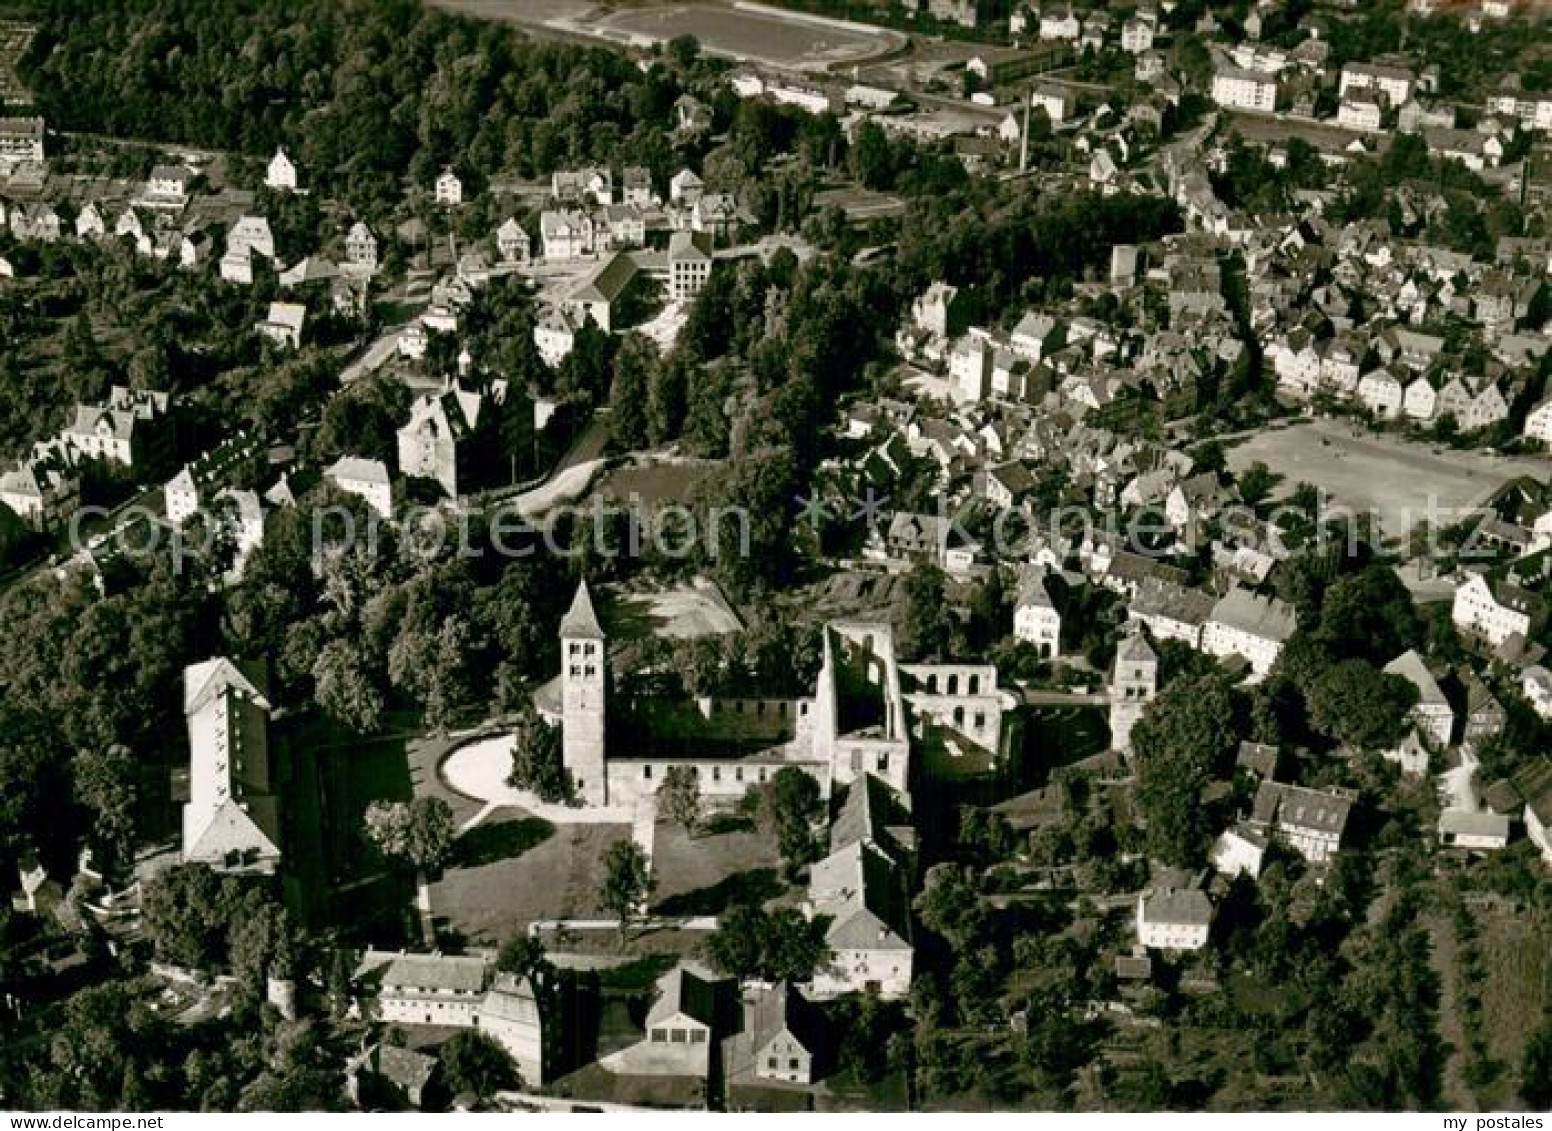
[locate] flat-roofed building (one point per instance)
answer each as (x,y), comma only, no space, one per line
(1239,89)
(21,141)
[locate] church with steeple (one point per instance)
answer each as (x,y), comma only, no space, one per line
(866,716)
(584,682)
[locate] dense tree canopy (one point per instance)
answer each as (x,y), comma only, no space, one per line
(361,94)
(1361,706)
(790,805)
(537,761)
(1182,741)
(781,945)
(475,1064)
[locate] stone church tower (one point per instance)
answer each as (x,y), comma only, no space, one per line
(583,680)
(1132,686)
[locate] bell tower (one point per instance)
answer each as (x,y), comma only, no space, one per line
(1133,684)
(583,682)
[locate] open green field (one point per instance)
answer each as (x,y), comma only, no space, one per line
(860,204)
(14,38)
(510,869)
(545,873)
(657,482)
(705,875)
(517,11)
(676,611)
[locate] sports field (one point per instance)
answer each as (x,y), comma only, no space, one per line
(859,204)
(758,35)
(1401,482)
(517,11)
(748,32)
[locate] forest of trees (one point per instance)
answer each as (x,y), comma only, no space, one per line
(361,93)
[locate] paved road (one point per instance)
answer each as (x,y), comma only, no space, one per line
(374,357)
(569,480)
(564,487)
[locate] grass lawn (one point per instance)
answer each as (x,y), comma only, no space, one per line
(1443,957)
(510,869)
(595,1083)
(520,876)
(704,875)
(1255,996)
(602,948)
(657,482)
(504,835)
(1053,737)
(14,38)
(680,611)
(423,756)
(844,1092)
(860,203)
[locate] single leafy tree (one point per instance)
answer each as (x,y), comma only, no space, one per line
(679,797)
(791,806)
(738,944)
(626,883)
(345,688)
(419,833)
(951,905)
(524,956)
(538,761)
(1256,482)
(781,945)
(386,827)
(473,1063)
(794,945)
